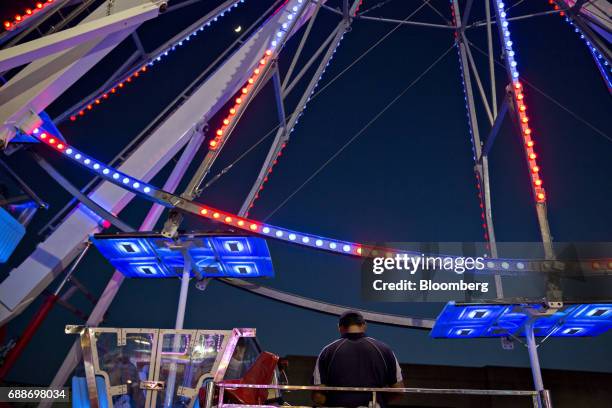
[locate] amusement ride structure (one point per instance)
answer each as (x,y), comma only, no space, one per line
(44,66)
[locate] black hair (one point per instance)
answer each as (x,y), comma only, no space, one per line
(351,318)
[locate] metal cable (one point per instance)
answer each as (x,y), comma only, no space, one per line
(438,13)
(366,52)
(331,81)
(360,132)
(374,7)
(550,98)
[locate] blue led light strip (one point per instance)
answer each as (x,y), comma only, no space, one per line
(603,63)
(120,83)
(604,66)
(153,193)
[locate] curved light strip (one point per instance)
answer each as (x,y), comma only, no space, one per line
(121,83)
(519,98)
(29,12)
(268,230)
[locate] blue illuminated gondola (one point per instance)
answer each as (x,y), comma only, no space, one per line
(150,255)
(500,320)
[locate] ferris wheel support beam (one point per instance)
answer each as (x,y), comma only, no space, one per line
(267,72)
(85,200)
(495,129)
(287,89)
(280,104)
(284,131)
(26,281)
(489,23)
(328,308)
(466,13)
(474,69)
(541,211)
(24,53)
(404,22)
(590,29)
(588,32)
(194,189)
(300,47)
(38,84)
(481,167)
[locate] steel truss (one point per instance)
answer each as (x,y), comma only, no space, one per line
(163,142)
(76,50)
(481,165)
(183,128)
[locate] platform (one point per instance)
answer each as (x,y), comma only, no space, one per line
(470,320)
(213,255)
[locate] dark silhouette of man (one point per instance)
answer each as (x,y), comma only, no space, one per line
(355,360)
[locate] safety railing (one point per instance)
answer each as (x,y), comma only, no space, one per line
(539,399)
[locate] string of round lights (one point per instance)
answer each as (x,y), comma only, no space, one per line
(129,77)
(10,25)
(519,99)
(240,101)
(332,245)
(604,66)
(471,130)
(257,76)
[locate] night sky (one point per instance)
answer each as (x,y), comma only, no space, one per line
(408,177)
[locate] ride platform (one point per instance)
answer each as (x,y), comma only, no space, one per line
(211,255)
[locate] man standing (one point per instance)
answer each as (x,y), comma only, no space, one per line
(355,360)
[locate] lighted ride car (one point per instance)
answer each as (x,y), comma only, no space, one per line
(168,368)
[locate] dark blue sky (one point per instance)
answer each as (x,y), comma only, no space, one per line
(407,178)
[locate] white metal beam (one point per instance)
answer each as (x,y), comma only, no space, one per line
(42,81)
(41,47)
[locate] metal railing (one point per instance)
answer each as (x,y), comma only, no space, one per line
(539,399)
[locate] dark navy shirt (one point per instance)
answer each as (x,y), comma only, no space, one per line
(355,360)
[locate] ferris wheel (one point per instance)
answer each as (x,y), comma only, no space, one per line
(51,45)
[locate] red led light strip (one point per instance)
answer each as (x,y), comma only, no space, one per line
(231,118)
(265,180)
(556,7)
(482,210)
(29,12)
(526,132)
(110,92)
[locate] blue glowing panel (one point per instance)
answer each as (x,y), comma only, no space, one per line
(11,234)
(495,320)
(213,256)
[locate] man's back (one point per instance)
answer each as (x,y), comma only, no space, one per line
(355,360)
